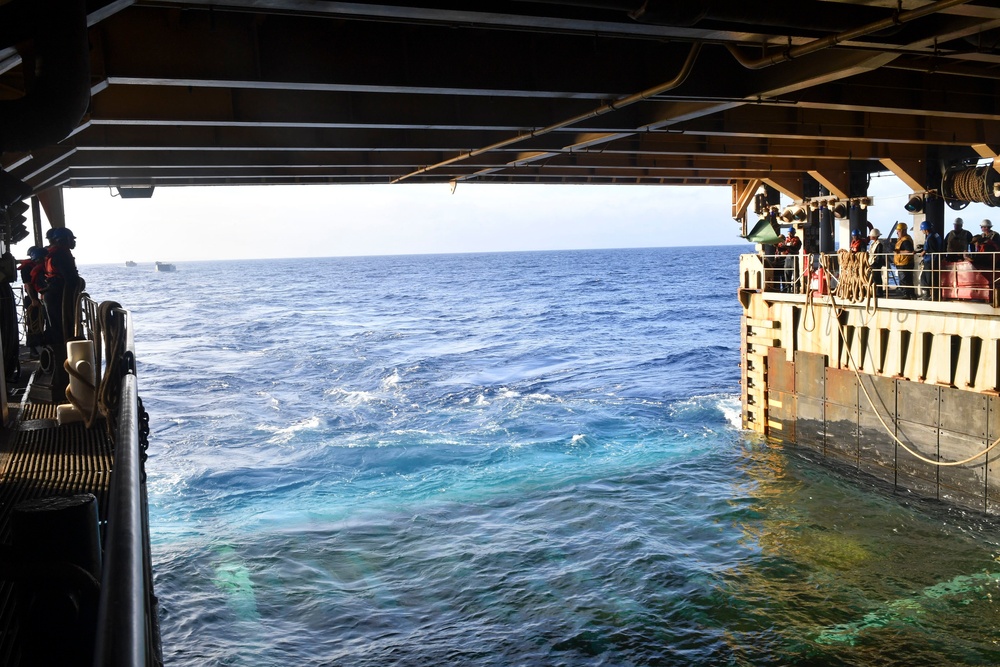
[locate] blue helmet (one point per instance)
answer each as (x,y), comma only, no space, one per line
(856,232)
(36,253)
(925,226)
(60,235)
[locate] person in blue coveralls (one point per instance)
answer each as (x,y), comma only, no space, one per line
(931,262)
(61,280)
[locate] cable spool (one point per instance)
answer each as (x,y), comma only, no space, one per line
(971,184)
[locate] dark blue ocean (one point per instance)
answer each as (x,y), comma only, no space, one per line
(511,459)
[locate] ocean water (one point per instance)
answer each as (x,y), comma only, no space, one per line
(511,459)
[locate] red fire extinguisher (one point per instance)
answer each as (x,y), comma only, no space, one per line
(817,282)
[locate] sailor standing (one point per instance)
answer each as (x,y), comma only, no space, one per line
(790,247)
(876,256)
(903,259)
(32,270)
(62,279)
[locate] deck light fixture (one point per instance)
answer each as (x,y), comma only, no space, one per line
(135,191)
(15,219)
(915,204)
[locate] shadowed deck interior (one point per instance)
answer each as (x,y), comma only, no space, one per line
(39,459)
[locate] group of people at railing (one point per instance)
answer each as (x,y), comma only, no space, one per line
(51,286)
(959,266)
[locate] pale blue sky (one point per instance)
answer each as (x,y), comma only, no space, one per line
(245,222)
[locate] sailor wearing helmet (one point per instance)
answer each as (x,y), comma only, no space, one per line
(985,244)
(876,256)
(790,247)
(903,259)
(62,282)
(930,261)
(857,242)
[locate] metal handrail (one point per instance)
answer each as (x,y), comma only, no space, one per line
(127,634)
(793,277)
(121,618)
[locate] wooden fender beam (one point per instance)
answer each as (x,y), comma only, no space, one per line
(790,186)
(743,193)
(55,209)
(912,172)
(836,178)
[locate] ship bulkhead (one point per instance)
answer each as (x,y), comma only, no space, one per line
(905,391)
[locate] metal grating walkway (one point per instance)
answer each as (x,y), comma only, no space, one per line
(39,459)
(48,460)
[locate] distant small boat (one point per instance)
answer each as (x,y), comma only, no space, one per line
(163,266)
(130,264)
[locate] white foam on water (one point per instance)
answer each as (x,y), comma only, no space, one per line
(731,410)
(282,434)
(352,398)
(391,381)
(726,405)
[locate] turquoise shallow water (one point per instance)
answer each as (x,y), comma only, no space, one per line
(511,459)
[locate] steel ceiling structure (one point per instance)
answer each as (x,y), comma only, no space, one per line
(657,92)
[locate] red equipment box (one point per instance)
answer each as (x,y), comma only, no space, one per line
(962,280)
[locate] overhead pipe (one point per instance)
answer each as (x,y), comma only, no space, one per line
(621,103)
(58,75)
(793,14)
(680,13)
(832,40)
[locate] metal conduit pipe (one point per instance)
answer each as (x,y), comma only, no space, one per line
(788,14)
(58,93)
(621,103)
(614,5)
(793,14)
(833,40)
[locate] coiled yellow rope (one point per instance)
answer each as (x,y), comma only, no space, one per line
(855,276)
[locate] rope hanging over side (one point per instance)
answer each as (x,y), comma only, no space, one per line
(856,282)
(108,394)
(888,430)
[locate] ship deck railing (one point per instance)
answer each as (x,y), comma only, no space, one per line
(41,459)
(971,278)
